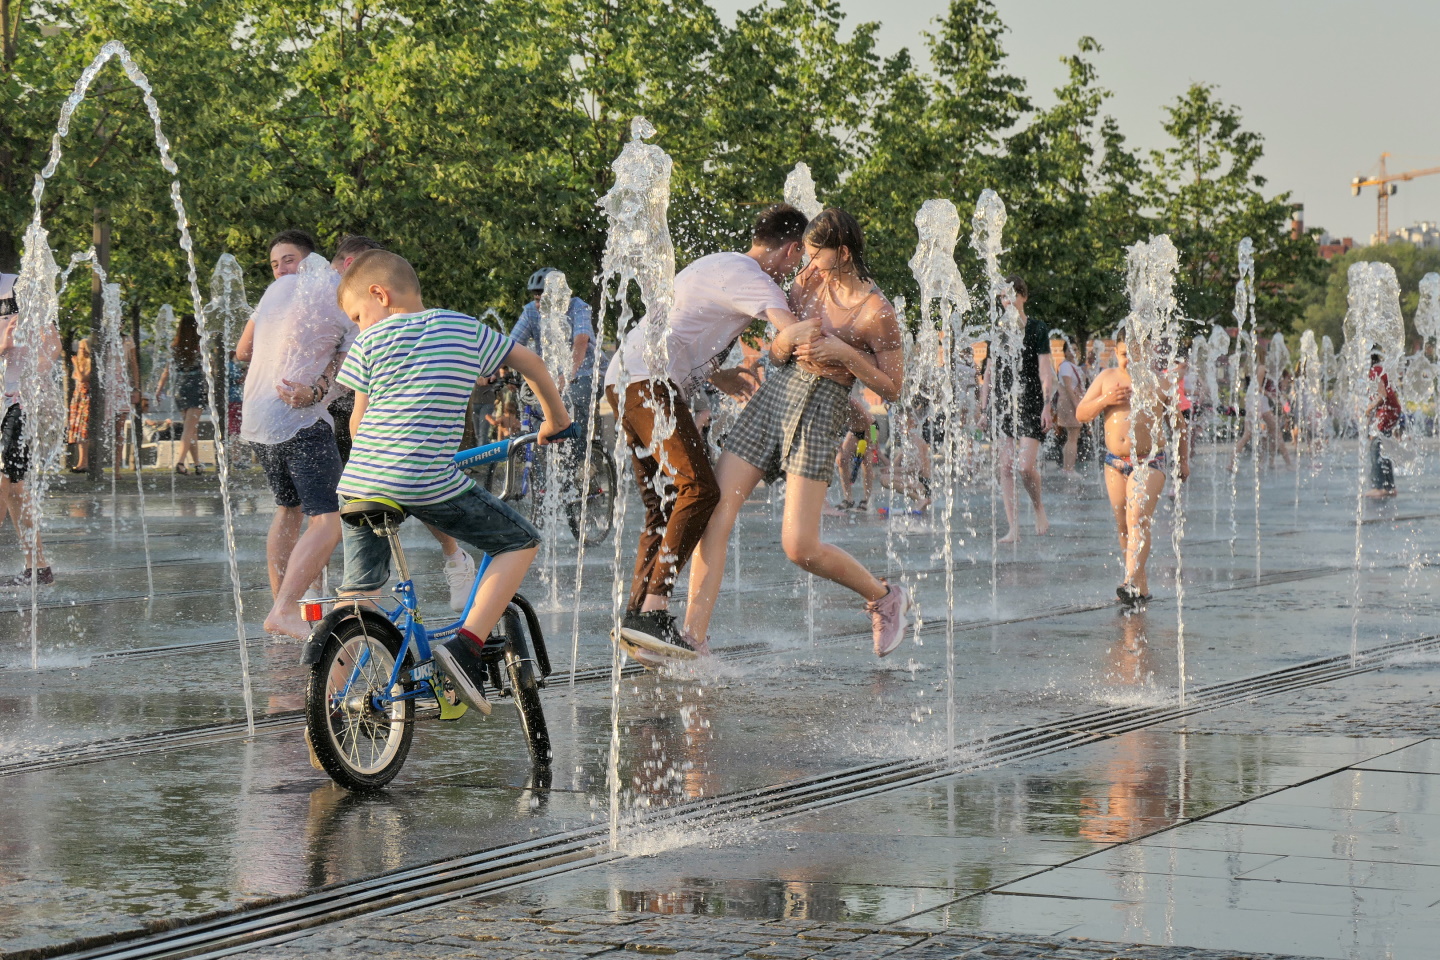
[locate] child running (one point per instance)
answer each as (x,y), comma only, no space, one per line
(1134,476)
(792,427)
(412,370)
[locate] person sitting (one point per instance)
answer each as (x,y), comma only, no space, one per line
(412,369)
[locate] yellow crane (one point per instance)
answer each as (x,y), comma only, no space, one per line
(1386,182)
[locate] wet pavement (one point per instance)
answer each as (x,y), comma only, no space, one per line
(1295,822)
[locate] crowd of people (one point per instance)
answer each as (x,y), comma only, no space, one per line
(345,385)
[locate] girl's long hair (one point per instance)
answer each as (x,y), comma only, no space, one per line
(185,348)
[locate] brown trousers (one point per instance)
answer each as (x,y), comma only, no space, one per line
(676,518)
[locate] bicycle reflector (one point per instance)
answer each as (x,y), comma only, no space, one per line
(311,612)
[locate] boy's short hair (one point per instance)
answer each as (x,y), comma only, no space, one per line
(778,225)
(296,238)
(1022,289)
(389,270)
(353,244)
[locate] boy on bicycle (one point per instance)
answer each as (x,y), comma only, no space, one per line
(412,369)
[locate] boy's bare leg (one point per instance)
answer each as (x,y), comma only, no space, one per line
(1142,495)
(280,543)
(448,544)
(737,480)
(12,503)
(1030,477)
(502,579)
(843,460)
(1007,490)
(800,536)
(1116,488)
(309,556)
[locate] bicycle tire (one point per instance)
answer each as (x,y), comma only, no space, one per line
(525,687)
(359,747)
(600,513)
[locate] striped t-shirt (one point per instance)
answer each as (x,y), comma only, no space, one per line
(417,371)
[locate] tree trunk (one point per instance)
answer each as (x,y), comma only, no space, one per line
(99,426)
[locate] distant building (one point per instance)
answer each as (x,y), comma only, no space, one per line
(1331,247)
(1423,234)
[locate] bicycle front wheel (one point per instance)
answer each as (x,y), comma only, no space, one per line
(525,687)
(599,505)
(361,746)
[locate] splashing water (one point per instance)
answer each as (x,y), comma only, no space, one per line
(800,191)
(1242,365)
(42,393)
(1373,323)
(1153,332)
(638,249)
(555,350)
(1005,339)
(943,303)
(117,385)
(114,49)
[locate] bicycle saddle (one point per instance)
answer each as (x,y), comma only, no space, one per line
(373,512)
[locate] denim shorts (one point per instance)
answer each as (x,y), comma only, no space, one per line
(475,517)
(304,470)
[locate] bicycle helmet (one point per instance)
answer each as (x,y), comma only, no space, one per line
(537,279)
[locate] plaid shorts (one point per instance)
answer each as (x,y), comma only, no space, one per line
(794,424)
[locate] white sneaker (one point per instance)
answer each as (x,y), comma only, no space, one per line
(460,575)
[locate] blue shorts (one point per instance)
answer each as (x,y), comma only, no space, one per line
(304,470)
(476,518)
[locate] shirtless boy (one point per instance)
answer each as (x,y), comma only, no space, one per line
(792,426)
(1134,475)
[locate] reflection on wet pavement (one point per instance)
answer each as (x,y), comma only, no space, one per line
(1157,835)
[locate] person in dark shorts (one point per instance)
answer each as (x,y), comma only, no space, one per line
(295,343)
(1022,410)
(14,452)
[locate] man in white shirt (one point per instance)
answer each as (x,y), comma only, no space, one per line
(716,298)
(294,343)
(14,452)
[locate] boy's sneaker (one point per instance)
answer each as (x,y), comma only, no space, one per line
(44,577)
(461,662)
(656,631)
(887,619)
(460,575)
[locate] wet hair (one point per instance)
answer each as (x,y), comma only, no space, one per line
(185,347)
(832,229)
(389,270)
(296,238)
(1022,289)
(778,225)
(353,244)
(1375,357)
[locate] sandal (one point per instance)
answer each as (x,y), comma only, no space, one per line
(181,469)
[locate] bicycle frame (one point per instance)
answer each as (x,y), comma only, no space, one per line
(405,614)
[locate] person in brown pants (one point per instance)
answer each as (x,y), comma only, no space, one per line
(716,298)
(674,521)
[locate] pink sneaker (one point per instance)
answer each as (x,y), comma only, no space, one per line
(887,619)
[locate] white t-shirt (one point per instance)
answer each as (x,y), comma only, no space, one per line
(10,361)
(299,328)
(716,297)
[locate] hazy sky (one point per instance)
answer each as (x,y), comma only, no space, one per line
(1329,84)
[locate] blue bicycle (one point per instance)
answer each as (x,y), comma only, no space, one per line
(371,671)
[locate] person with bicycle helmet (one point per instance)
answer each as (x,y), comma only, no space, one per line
(577,383)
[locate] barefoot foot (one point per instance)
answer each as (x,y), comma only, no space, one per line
(1012,537)
(287,626)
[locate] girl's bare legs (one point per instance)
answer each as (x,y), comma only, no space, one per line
(736,480)
(188,436)
(1072,450)
(1029,477)
(800,536)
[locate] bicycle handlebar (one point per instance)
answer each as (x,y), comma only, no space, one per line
(505,449)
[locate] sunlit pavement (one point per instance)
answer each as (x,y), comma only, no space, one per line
(1289,821)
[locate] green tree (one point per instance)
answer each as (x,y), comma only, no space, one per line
(1071,188)
(1207,196)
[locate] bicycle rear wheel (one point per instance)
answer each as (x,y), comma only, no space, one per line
(360,747)
(599,505)
(525,686)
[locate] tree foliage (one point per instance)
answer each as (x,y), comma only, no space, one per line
(476,137)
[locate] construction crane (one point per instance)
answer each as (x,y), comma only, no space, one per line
(1386,182)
